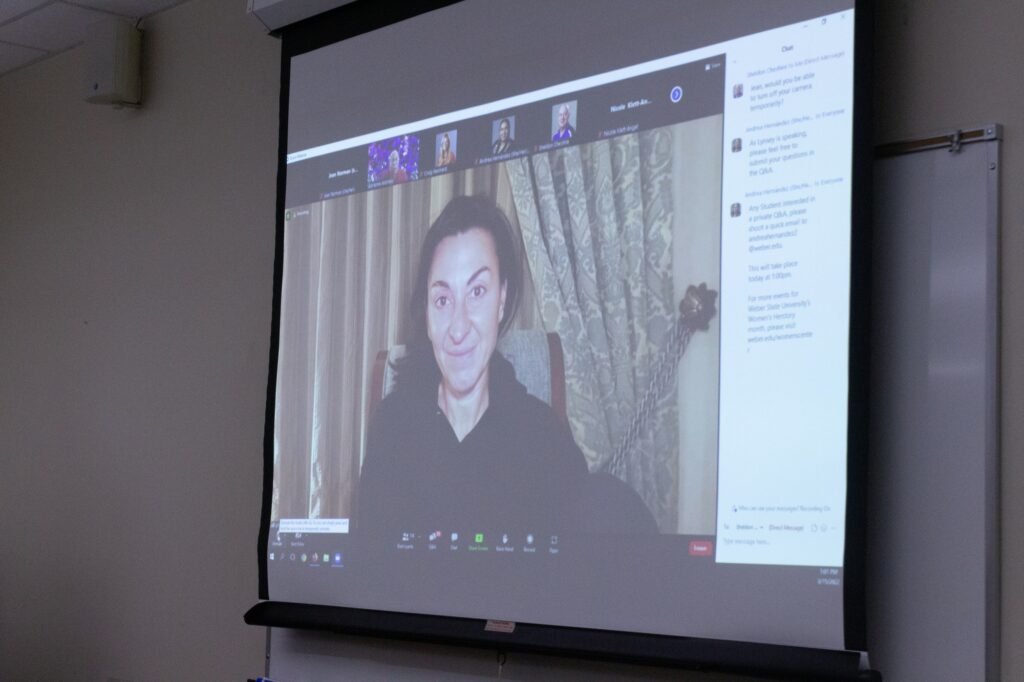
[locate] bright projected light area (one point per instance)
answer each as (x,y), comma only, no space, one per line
(564,328)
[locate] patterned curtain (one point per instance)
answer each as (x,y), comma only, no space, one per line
(597,226)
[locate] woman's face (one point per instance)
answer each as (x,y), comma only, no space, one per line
(503,131)
(465,304)
(446,144)
(563,116)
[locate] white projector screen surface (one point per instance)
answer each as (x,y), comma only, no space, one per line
(484,403)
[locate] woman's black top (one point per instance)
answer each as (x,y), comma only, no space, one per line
(518,471)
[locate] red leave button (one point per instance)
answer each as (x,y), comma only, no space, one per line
(702,547)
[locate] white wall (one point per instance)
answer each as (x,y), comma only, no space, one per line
(942,64)
(136,253)
(136,268)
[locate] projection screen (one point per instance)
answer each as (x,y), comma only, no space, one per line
(563,320)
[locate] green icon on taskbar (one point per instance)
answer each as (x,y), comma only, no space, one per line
(479,538)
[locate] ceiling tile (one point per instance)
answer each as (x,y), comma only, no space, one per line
(128,8)
(54,27)
(13,56)
(12,8)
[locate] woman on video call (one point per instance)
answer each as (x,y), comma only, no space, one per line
(445,156)
(459,444)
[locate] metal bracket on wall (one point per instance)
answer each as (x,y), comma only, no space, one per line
(953,140)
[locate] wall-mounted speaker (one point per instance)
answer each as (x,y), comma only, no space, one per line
(113,64)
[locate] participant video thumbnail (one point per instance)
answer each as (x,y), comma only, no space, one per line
(503,132)
(394,161)
(563,121)
(445,146)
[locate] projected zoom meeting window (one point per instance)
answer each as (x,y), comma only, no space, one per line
(506,384)
(497,353)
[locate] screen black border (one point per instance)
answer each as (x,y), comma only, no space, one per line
(857,452)
(784,662)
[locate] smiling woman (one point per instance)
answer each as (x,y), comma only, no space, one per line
(460,438)
(465,304)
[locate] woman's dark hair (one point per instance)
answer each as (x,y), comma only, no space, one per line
(459,216)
